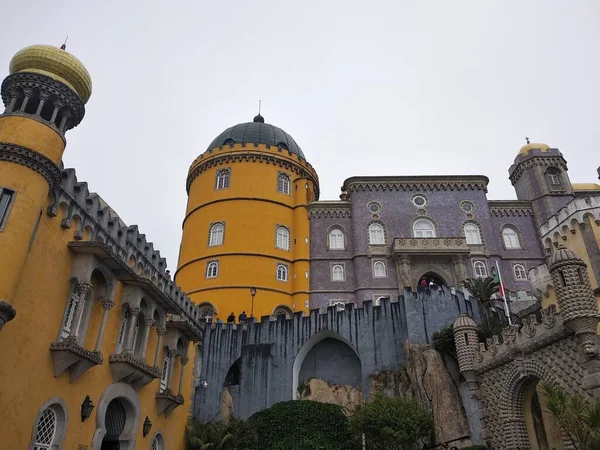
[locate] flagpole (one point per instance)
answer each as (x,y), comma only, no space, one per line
(506,308)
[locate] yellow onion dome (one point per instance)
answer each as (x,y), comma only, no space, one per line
(530,146)
(55,63)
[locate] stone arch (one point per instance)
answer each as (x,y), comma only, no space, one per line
(207,311)
(512,401)
(131,402)
(307,347)
(59,407)
(437,274)
(282,310)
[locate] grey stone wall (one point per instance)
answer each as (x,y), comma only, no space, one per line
(332,361)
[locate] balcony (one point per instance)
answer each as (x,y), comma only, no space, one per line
(68,354)
(431,246)
(130,369)
(166,401)
(192,330)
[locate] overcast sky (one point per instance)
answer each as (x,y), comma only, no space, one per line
(365,88)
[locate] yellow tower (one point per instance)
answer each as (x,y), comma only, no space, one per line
(44,96)
(245,244)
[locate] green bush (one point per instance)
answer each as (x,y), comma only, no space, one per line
(301,425)
(392,422)
(443,341)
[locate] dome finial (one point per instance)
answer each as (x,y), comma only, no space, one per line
(64,46)
(259,118)
(527,140)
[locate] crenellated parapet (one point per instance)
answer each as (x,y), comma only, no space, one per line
(417,183)
(95,224)
(572,216)
(330,209)
(541,281)
(510,208)
(536,157)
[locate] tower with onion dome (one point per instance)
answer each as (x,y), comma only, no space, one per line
(245,244)
(44,97)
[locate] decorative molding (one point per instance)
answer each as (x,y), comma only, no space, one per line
(510,208)
(32,159)
(416,183)
(330,210)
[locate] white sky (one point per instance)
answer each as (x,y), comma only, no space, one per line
(365,88)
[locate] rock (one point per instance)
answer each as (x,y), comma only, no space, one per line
(347,397)
(226,405)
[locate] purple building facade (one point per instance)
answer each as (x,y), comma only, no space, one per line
(388,233)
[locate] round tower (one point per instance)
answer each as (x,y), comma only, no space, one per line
(246,224)
(575,297)
(44,96)
(466,341)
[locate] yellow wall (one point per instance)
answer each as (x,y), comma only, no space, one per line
(26,371)
(251,208)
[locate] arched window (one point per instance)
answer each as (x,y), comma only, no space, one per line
(212,269)
(282,272)
(157,443)
(207,312)
(472,234)
(511,238)
(337,273)
(283,311)
(336,239)
(217,232)
(379,270)
(553,176)
(50,426)
(283,183)
(423,228)
(479,269)
(223,177)
(282,240)
(520,272)
(376,234)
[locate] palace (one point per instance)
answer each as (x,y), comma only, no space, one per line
(102,349)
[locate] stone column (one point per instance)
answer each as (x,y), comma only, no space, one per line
(43,98)
(28,93)
(107,305)
(57,106)
(133,317)
(13,102)
(404,275)
(63,121)
(148,324)
(460,271)
(160,331)
(183,362)
(173,354)
(82,289)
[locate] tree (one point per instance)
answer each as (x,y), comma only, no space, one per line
(482,289)
(236,434)
(577,418)
(392,422)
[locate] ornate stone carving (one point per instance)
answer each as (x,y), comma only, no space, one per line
(67,354)
(184,361)
(83,289)
(32,159)
(548,319)
(149,322)
(161,331)
(529,324)
(107,304)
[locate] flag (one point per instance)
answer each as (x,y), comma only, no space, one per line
(498,278)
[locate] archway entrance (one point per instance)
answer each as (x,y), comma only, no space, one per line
(116,417)
(432,279)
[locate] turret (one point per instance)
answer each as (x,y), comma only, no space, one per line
(466,341)
(539,175)
(44,97)
(575,297)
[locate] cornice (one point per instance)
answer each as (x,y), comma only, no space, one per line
(32,159)
(329,209)
(250,156)
(417,183)
(510,208)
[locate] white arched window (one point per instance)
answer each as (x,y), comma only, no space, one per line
(46,430)
(207,312)
(553,176)
(472,234)
(479,269)
(217,232)
(520,272)
(50,427)
(337,273)
(283,183)
(282,240)
(336,239)
(376,234)
(212,269)
(511,238)
(157,443)
(223,177)
(282,272)
(423,228)
(379,270)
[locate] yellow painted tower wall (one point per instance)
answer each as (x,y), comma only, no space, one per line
(251,208)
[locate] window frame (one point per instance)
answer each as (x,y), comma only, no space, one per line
(283,237)
(424,220)
(476,230)
(286,271)
(383,264)
(377,298)
(478,274)
(164,373)
(285,188)
(226,179)
(341,266)
(213,263)
(12,193)
(510,228)
(522,266)
(370,233)
(329,241)
(210,234)
(61,418)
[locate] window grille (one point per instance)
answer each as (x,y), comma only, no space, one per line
(46,430)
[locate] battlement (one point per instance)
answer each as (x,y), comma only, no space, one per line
(541,280)
(95,221)
(330,209)
(537,331)
(237,152)
(417,183)
(573,214)
(535,156)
